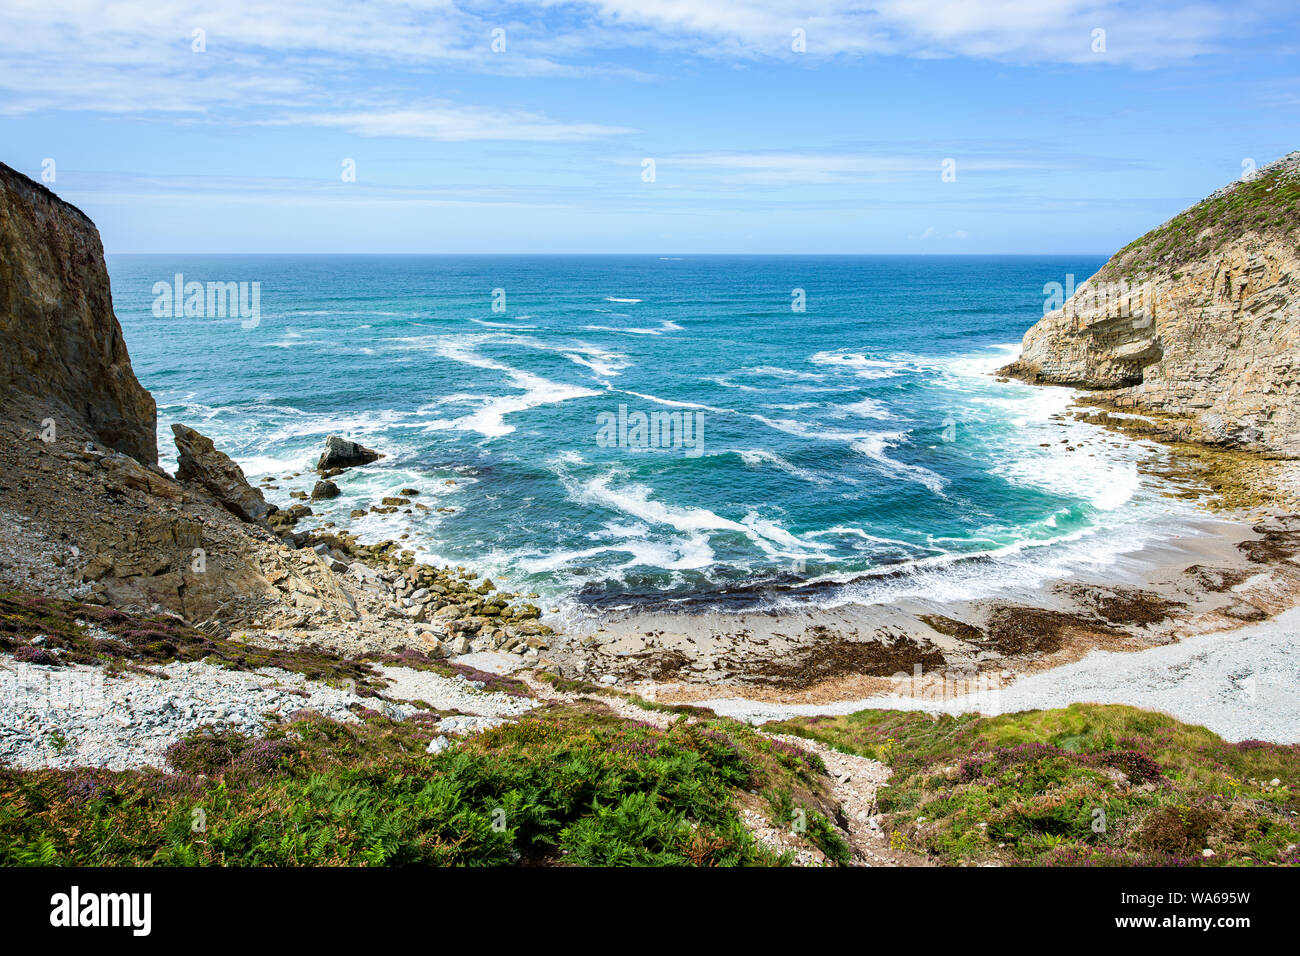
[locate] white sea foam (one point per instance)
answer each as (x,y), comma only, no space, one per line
(728,383)
(1106,476)
(860,365)
(784,373)
(673,403)
(1018,569)
(637,501)
(757,457)
(846,530)
(689,554)
(610,298)
(869,408)
(489,420)
(871,444)
(504,325)
(663,327)
(604,363)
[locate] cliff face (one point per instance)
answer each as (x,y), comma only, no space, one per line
(1198,319)
(63,352)
(84,508)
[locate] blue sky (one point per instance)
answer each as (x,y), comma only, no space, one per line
(1058,144)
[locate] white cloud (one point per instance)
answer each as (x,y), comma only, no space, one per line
(457,123)
(814,168)
(933,233)
(1146,33)
(127,56)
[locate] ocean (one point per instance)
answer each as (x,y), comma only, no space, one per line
(615,431)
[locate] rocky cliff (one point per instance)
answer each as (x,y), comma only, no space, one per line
(64,357)
(1198,320)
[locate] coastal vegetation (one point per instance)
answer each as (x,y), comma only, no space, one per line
(1268,203)
(1085,785)
(582,780)
(573,785)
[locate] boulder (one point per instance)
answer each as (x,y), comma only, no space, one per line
(343,453)
(325,489)
(203,465)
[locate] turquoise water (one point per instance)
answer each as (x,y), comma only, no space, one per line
(863,435)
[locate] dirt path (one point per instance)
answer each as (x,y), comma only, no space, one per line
(854,782)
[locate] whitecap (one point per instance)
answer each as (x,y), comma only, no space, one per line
(871,444)
(637,501)
(869,408)
(759,456)
(490,419)
(859,364)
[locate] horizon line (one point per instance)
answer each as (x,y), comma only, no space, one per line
(611,255)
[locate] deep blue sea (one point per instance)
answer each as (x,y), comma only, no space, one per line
(862,435)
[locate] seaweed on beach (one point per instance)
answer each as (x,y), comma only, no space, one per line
(1122,606)
(1271,548)
(951,627)
(1018,629)
(830,655)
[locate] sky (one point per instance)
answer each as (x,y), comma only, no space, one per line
(642,126)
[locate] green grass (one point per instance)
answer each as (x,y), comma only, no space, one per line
(1269,205)
(568,786)
(1089,784)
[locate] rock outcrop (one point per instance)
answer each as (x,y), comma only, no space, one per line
(324,490)
(201,463)
(64,357)
(344,453)
(1198,320)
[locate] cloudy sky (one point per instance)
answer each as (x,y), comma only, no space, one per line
(743,126)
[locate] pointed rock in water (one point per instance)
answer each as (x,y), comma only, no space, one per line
(201,463)
(325,489)
(342,453)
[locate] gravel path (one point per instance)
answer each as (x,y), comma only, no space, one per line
(1241,684)
(854,783)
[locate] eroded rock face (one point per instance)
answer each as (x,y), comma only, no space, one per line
(343,453)
(201,463)
(63,356)
(1199,319)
